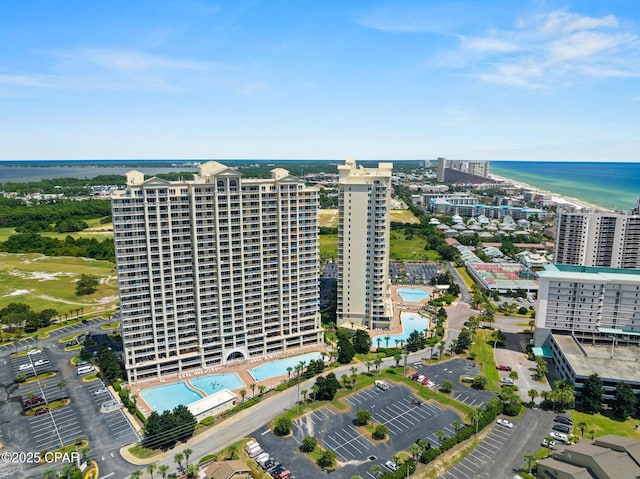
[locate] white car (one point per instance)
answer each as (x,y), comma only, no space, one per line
(505,423)
(34,351)
(41,362)
(506,380)
(24,367)
(391,465)
(549,444)
(559,436)
(97,392)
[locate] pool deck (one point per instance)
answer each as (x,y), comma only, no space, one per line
(400,306)
(241,368)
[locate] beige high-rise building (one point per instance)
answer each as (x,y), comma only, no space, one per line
(215,269)
(441,165)
(598,239)
(364,296)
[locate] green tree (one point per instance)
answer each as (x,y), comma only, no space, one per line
(446,386)
(533,394)
(530,459)
(87,284)
(380,431)
(282,426)
(187,452)
(397,358)
(464,341)
(243,393)
(192,471)
(178,458)
(163,470)
(327,459)
(582,426)
(592,393)
(376,470)
(361,341)
(346,351)
(415,451)
(479,382)
(309,443)
(377,362)
(136,474)
(363,417)
(151,468)
(624,401)
(440,434)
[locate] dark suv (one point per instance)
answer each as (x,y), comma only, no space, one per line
(562,428)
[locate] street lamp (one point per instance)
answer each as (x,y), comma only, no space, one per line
(373,422)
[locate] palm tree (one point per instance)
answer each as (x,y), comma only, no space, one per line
(289,369)
(178,458)
(368,363)
(243,393)
(440,434)
(533,394)
(187,452)
(378,340)
(192,471)
(415,450)
(377,362)
(386,341)
(375,470)
(456,425)
(475,418)
(593,433)
(253,389)
(395,460)
(151,468)
(163,469)
(261,389)
(530,458)
(582,426)
(136,474)
(314,389)
(441,347)
(304,394)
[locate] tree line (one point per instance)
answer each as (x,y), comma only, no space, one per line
(70,246)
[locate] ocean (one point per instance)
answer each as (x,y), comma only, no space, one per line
(613,186)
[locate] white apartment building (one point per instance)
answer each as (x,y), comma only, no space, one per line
(215,269)
(598,239)
(588,302)
(364,295)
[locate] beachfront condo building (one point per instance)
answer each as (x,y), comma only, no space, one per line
(590,302)
(364,199)
(598,239)
(216,269)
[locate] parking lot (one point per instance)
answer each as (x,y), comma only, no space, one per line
(415,273)
(354,447)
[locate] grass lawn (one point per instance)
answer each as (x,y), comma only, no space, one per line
(468,280)
(402,248)
(403,216)
(95,230)
(601,425)
(49,282)
(484,354)
(328,218)
(328,247)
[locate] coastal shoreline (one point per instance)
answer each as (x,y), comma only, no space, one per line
(556,197)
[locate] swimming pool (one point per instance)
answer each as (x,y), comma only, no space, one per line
(163,398)
(413,295)
(217,382)
(279,367)
(410,322)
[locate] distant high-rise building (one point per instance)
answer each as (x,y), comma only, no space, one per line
(363,245)
(478,168)
(215,269)
(598,239)
(441,166)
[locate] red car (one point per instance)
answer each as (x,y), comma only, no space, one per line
(34,401)
(425,381)
(41,411)
(504,367)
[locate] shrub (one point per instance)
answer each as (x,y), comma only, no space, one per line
(207,421)
(363,417)
(282,426)
(380,432)
(309,443)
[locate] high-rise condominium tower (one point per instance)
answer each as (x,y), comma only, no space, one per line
(598,239)
(363,245)
(215,269)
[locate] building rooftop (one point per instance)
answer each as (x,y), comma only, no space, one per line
(589,272)
(209,402)
(587,359)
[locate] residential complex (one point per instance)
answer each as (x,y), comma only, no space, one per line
(598,239)
(364,296)
(215,269)
(588,322)
(607,457)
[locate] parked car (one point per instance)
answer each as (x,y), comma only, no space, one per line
(33,401)
(564,420)
(504,367)
(97,392)
(41,411)
(559,436)
(390,465)
(24,367)
(34,351)
(549,444)
(562,428)
(41,362)
(505,423)
(506,381)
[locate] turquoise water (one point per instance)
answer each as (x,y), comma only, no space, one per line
(217,382)
(410,322)
(609,185)
(163,398)
(413,295)
(279,367)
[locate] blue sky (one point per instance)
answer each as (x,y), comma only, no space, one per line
(390,80)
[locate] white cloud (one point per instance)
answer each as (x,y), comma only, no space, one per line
(582,45)
(489,44)
(560,21)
